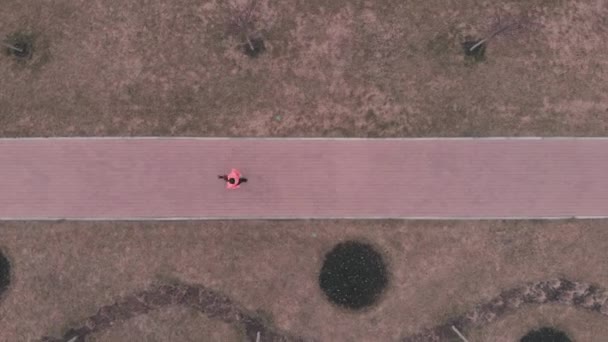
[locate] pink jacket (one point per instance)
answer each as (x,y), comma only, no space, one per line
(236,175)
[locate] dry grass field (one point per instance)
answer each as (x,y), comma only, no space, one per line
(363,68)
(381,68)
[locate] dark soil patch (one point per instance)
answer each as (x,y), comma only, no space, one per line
(478,53)
(5,273)
(23,50)
(254,49)
(545,335)
(20,46)
(353,275)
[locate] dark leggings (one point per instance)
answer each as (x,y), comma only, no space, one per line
(225,178)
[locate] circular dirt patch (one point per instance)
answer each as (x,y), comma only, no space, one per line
(353,275)
(473,50)
(256,47)
(545,335)
(5,273)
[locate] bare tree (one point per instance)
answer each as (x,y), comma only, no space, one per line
(11,47)
(499,27)
(19,45)
(242,23)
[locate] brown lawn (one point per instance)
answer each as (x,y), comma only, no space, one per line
(65,272)
(366,68)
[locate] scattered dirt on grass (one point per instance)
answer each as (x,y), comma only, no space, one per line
(168,324)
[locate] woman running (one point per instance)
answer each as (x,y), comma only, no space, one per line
(233,179)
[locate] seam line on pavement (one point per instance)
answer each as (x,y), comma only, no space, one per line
(436,218)
(306,138)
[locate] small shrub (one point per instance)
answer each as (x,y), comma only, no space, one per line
(476,48)
(242,24)
(20,46)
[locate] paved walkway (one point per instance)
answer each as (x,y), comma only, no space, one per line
(146,178)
